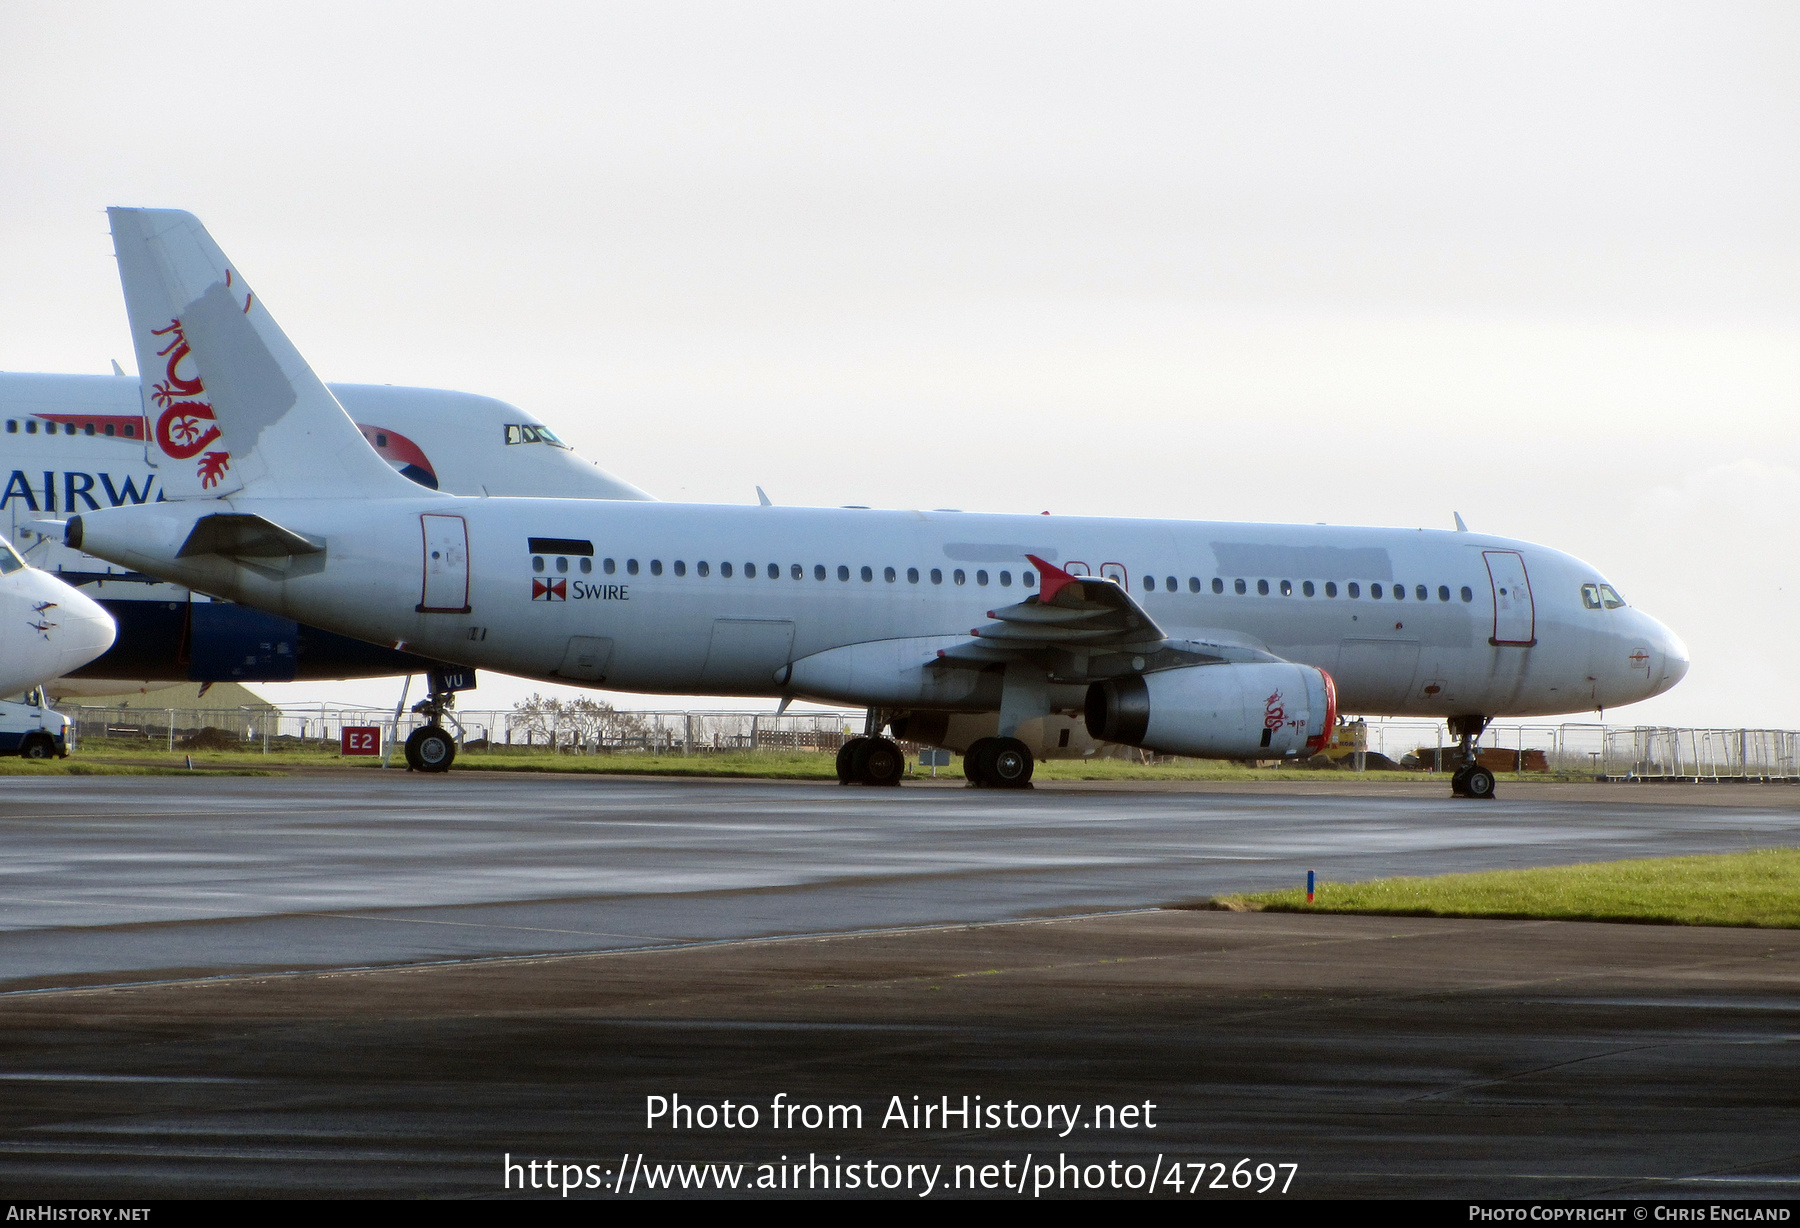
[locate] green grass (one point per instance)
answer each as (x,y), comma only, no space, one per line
(75,766)
(1759,888)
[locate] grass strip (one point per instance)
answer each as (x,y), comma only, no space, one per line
(1756,889)
(80,767)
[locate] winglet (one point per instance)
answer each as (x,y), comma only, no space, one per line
(1460,526)
(1053,579)
(762,499)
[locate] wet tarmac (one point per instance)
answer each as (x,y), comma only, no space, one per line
(115,879)
(338,985)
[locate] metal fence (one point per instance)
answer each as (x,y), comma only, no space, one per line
(1614,752)
(593,730)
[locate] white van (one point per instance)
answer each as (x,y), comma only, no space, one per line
(31,728)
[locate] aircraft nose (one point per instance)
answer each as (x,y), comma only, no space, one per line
(74,626)
(1674,655)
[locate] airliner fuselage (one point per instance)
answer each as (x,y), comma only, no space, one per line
(703,599)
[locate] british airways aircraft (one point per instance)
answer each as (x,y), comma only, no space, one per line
(74,443)
(1195,638)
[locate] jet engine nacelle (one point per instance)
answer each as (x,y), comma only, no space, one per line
(1243,711)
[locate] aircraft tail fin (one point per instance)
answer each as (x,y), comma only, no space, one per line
(230,403)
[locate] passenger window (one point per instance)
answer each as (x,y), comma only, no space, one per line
(1262,588)
(109,429)
(912,575)
(1610,599)
(843,572)
(1375,591)
(1466,594)
(749,571)
(1331,588)
(1193,584)
(587,566)
(774,571)
(937,576)
(655,567)
(1218,585)
(609,567)
(1149,584)
(12,426)
(1169,583)
(562,564)
(868,574)
(724,569)
(631,568)
(1399,592)
(1421,592)
(31,426)
(1240,588)
(1026,578)
(957,575)
(537,564)
(887,573)
(1307,588)
(680,568)
(1287,588)
(88,429)
(1443,592)
(797,571)
(703,568)
(1005,578)
(981,577)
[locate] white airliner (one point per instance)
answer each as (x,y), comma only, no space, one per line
(1208,639)
(46,628)
(74,443)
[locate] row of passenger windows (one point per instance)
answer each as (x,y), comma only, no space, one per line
(1306,588)
(68,428)
(796,571)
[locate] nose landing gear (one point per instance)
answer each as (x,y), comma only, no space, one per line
(1471,780)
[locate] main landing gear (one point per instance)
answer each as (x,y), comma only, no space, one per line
(999,763)
(430,748)
(1471,779)
(870,759)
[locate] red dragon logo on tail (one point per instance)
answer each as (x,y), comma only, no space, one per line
(186,426)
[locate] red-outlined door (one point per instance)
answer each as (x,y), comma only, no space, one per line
(446,588)
(1515,616)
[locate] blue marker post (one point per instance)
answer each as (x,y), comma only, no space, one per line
(1309,886)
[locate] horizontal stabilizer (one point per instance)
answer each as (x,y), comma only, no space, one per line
(238,536)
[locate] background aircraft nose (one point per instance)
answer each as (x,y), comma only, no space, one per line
(1674,656)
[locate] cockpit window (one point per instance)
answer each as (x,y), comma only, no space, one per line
(1590,596)
(530,432)
(9,560)
(1609,598)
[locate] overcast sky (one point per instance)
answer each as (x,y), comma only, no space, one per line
(1365,264)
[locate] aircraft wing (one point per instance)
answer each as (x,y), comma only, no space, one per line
(1084,629)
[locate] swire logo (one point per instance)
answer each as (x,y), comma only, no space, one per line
(549,590)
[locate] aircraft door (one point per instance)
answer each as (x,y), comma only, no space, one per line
(446,588)
(1515,615)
